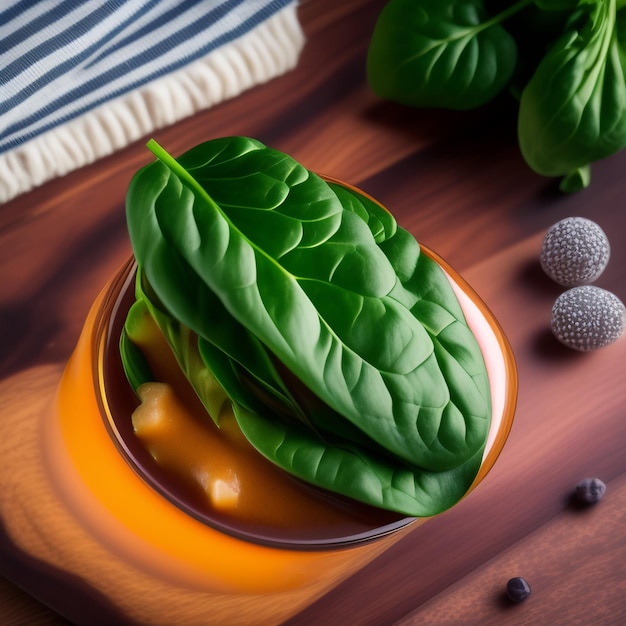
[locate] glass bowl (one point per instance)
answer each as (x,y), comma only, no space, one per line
(144,520)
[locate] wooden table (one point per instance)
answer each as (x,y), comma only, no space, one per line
(458,182)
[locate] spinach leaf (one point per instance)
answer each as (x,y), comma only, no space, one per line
(441,53)
(135,364)
(358,473)
(420,289)
(573,110)
(565,60)
(239,243)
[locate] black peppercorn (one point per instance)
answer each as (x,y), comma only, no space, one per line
(590,490)
(517,589)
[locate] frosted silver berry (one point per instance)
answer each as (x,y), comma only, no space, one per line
(590,490)
(575,251)
(517,589)
(587,318)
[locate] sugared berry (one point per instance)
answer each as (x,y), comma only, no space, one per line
(517,589)
(590,490)
(575,251)
(587,317)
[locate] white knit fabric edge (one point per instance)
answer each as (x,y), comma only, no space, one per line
(268,50)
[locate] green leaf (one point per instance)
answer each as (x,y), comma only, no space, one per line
(358,473)
(441,53)
(381,223)
(573,110)
(423,289)
(134,363)
(356,337)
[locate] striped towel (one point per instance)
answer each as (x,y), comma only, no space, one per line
(79,80)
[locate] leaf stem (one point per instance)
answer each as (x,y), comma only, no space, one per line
(496,19)
(183,174)
(168,160)
(507,13)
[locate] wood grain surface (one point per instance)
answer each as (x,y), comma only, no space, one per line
(458,182)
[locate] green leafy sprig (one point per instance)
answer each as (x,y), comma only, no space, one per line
(342,349)
(566,59)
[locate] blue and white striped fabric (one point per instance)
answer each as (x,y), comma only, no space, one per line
(80,79)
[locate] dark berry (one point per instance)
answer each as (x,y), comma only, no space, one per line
(590,490)
(517,589)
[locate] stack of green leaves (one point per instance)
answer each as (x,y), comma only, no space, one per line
(565,59)
(342,348)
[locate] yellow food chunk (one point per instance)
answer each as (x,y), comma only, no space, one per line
(224,492)
(220,464)
(180,443)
